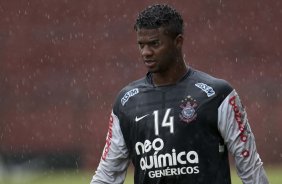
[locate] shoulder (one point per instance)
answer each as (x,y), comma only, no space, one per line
(210,83)
(129,91)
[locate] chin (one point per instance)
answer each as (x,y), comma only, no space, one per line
(153,70)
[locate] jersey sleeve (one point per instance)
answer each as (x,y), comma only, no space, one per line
(114,161)
(236,132)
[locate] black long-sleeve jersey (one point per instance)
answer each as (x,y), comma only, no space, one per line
(180,134)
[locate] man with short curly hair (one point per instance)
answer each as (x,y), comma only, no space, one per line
(176,124)
(158,16)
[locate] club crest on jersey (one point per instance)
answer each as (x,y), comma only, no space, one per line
(188,113)
(129,94)
(207,89)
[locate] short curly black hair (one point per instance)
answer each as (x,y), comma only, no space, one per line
(160,15)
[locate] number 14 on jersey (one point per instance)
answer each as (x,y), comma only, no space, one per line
(167,121)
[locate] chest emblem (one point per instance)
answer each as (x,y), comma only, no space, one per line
(188,113)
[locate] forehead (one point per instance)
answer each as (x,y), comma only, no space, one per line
(150,34)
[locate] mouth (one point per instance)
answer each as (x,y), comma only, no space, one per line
(150,63)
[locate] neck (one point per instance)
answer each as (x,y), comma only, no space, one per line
(171,76)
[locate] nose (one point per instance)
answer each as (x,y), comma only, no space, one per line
(146,51)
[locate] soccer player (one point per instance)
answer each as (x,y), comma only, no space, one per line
(177,124)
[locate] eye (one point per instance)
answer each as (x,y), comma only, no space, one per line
(140,45)
(155,43)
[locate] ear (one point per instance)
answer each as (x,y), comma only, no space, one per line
(179,41)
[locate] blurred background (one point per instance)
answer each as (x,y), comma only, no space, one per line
(62,63)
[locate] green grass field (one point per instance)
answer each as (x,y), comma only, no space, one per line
(79,177)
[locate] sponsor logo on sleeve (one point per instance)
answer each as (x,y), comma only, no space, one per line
(109,138)
(243,126)
(207,89)
(129,94)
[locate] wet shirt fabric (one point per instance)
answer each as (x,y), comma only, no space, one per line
(179,133)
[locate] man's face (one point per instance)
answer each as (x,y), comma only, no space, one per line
(158,50)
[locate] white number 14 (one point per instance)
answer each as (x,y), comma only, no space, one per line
(168,121)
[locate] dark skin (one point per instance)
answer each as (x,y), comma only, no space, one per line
(162,55)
